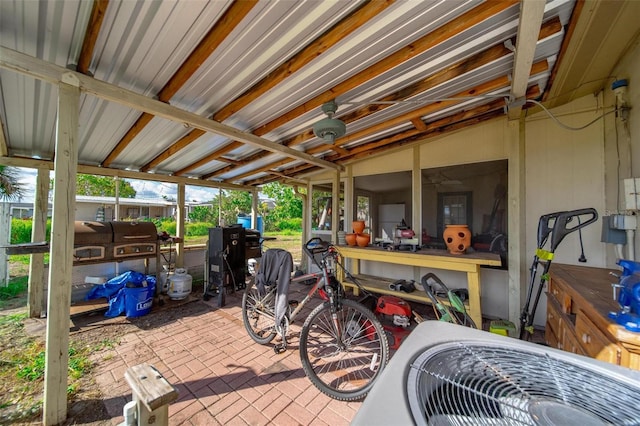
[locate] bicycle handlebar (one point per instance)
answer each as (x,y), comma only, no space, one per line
(316,245)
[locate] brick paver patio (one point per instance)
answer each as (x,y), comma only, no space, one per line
(223,376)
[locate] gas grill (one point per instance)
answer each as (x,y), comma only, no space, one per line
(97,242)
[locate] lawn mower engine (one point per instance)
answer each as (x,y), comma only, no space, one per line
(395,315)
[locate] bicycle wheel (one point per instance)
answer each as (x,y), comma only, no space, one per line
(344,370)
(258,314)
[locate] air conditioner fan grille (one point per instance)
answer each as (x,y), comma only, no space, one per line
(482,384)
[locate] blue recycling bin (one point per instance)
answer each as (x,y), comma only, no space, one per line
(245,221)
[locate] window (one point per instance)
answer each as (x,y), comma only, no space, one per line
(454,208)
(363,206)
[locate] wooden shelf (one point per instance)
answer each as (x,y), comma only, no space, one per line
(437,259)
(380,285)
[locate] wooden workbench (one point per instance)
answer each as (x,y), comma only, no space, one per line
(579,300)
(427,258)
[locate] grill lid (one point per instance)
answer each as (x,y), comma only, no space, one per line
(134,232)
(92,233)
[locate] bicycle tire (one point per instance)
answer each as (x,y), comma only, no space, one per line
(347,373)
(258,314)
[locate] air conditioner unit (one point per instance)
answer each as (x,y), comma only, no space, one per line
(446,374)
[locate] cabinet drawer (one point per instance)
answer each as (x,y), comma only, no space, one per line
(595,343)
(570,343)
(550,338)
(555,290)
(564,299)
(553,316)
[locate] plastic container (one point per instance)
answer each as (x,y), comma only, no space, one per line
(245,221)
(180,284)
(138,300)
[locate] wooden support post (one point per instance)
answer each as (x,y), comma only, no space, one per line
(515,137)
(35,297)
(61,254)
(180,227)
(254,209)
(152,394)
(335,207)
(5,232)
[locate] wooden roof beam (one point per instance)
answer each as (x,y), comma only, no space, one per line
(216,35)
(482,89)
(128,174)
(261,169)
(183,142)
(461,23)
(531,14)
(306,55)
(4,148)
(209,158)
(466,65)
(319,46)
(91,36)
(52,73)
(432,129)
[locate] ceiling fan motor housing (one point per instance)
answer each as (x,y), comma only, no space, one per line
(329,128)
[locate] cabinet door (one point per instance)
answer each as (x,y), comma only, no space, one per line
(550,338)
(595,343)
(570,342)
(554,317)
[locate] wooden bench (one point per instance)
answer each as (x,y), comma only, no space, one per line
(152,394)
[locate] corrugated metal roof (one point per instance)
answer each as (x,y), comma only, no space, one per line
(141,45)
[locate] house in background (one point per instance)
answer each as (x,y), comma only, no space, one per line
(104,208)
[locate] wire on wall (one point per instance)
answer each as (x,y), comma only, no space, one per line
(564,126)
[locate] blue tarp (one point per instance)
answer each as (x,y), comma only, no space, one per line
(114,290)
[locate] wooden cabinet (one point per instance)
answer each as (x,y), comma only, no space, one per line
(579,300)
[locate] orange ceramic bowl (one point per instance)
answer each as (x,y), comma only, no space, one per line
(363,239)
(350,239)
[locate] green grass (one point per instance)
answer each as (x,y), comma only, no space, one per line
(14,295)
(22,364)
(16,287)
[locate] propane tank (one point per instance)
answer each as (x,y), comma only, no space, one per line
(180,284)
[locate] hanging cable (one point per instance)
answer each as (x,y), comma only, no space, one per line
(564,126)
(582,257)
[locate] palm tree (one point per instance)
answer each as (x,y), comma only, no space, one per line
(10,188)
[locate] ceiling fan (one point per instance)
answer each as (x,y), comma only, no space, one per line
(330,128)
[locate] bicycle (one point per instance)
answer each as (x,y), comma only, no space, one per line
(343,346)
(453,310)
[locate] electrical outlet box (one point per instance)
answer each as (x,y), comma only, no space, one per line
(632,194)
(610,234)
(624,222)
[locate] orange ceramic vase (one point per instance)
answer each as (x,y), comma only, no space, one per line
(358,226)
(363,239)
(457,238)
(350,239)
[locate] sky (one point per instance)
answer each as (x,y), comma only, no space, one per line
(144,188)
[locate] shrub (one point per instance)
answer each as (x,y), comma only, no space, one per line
(197,229)
(21,231)
(168,225)
(293,224)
